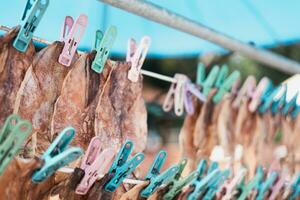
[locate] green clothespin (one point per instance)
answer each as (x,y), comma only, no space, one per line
(215,184)
(29,23)
(290,105)
(279,103)
(104,48)
(263,188)
(208,82)
(253,184)
(226,86)
(98,38)
(178,185)
(12,135)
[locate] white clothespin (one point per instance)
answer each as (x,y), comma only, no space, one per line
(175,95)
(136,55)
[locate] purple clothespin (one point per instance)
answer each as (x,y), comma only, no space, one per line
(72,39)
(94,163)
(66,27)
(189,90)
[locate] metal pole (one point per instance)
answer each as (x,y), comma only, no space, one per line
(163,16)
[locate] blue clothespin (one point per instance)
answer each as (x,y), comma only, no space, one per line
(103,49)
(263,188)
(213,166)
(295,189)
(121,168)
(12,135)
(290,105)
(267,98)
(57,155)
(215,184)
(296,111)
(29,23)
(279,103)
(253,184)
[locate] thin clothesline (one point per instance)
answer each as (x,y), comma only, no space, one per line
(144,72)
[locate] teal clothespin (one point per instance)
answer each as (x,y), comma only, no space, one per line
(221,76)
(263,188)
(12,135)
(208,82)
(104,48)
(213,166)
(153,174)
(290,105)
(267,98)
(57,155)
(295,189)
(201,169)
(296,111)
(179,184)
(201,185)
(121,168)
(253,184)
(279,103)
(226,85)
(98,38)
(162,179)
(30,22)
(216,183)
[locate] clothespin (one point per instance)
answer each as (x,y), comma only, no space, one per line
(262,86)
(245,91)
(267,99)
(225,86)
(254,183)
(13,133)
(265,186)
(231,187)
(189,90)
(279,103)
(178,185)
(290,105)
(208,83)
(57,155)
(156,179)
(137,55)
(295,189)
(121,168)
(213,166)
(98,38)
(278,186)
(72,40)
(296,111)
(221,76)
(31,18)
(66,27)
(201,185)
(104,48)
(175,95)
(215,184)
(93,164)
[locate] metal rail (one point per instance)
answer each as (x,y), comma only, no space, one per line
(163,16)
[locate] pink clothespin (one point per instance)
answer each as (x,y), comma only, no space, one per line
(137,57)
(231,187)
(255,99)
(66,27)
(72,40)
(94,163)
(246,90)
(189,90)
(175,95)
